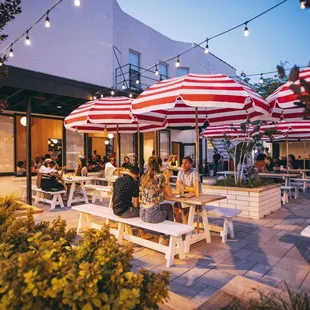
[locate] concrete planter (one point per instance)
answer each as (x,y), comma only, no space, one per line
(254,203)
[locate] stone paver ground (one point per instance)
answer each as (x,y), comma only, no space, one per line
(270,250)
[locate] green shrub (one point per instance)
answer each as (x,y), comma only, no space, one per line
(40,269)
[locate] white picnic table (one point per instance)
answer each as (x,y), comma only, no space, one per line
(74,181)
(201,201)
(286,176)
(303,173)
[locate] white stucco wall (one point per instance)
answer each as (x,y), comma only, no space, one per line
(79,44)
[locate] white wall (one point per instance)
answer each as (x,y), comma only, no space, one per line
(79,44)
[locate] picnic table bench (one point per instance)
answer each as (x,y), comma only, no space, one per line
(172,229)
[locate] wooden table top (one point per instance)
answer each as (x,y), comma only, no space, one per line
(202,200)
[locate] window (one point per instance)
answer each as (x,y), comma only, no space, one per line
(164,142)
(134,65)
(182,71)
(127,147)
(75,148)
(163,71)
(7,144)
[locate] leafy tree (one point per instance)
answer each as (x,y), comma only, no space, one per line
(268,86)
(8,10)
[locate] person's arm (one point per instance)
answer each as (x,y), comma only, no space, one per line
(135,202)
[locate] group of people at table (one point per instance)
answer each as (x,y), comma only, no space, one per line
(133,196)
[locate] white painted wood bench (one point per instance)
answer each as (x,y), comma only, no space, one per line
(306,232)
(301,182)
(172,229)
(40,196)
(228,226)
(98,190)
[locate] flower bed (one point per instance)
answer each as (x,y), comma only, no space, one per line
(254,203)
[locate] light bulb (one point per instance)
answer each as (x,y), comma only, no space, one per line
(246,30)
(302,4)
(177,64)
(1,64)
(11,54)
(156,70)
(77,2)
(110,136)
(106,142)
(261,79)
(101,96)
(94,97)
(130,95)
(112,92)
(23,121)
(207,47)
(28,42)
(137,81)
(47,22)
(123,86)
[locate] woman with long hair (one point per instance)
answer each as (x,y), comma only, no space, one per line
(81,170)
(154,187)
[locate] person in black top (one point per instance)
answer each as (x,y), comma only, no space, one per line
(269,165)
(127,164)
(126,197)
(216,159)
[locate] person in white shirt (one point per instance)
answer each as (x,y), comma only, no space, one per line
(108,168)
(165,164)
(50,177)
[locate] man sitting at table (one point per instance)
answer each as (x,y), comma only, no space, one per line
(186,183)
(126,197)
(108,168)
(127,164)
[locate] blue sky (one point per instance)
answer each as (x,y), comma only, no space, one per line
(280,35)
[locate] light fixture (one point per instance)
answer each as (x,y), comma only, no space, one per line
(246,29)
(156,70)
(23,121)
(124,85)
(137,81)
(1,64)
(11,54)
(302,4)
(77,2)
(101,96)
(207,47)
(110,136)
(28,42)
(112,92)
(94,97)
(261,78)
(47,20)
(106,142)
(177,64)
(59,107)
(130,95)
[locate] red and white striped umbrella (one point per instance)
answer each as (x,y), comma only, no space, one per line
(219,99)
(220,132)
(113,113)
(282,100)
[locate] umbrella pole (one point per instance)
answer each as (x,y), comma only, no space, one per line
(304,153)
(138,150)
(287,152)
(117,151)
(197,167)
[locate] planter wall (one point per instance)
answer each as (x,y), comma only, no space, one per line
(254,203)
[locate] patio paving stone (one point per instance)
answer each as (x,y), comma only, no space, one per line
(243,253)
(204,295)
(187,291)
(190,276)
(216,278)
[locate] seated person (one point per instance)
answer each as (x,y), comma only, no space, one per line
(154,187)
(81,170)
(50,176)
(186,182)
(126,198)
(92,166)
(98,162)
(276,164)
(20,169)
(108,168)
(173,161)
(269,165)
(112,161)
(126,164)
(165,164)
(292,162)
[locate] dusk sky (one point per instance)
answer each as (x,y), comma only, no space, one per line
(280,35)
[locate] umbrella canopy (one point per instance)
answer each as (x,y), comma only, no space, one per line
(298,130)
(220,132)
(282,100)
(218,99)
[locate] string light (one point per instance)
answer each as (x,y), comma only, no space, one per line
(47,20)
(246,30)
(302,4)
(77,2)
(101,96)
(106,142)
(1,64)
(124,86)
(94,97)
(261,78)
(177,64)
(11,54)
(28,42)
(137,81)
(112,92)
(130,95)
(207,47)
(156,70)
(110,136)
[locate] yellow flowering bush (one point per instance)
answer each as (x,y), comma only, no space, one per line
(40,269)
